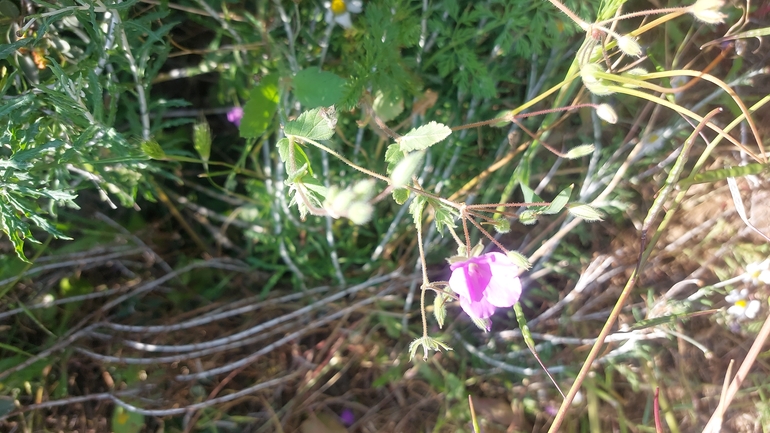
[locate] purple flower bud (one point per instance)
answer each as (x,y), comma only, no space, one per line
(347,417)
(235,115)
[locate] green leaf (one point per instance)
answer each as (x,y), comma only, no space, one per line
(427,343)
(316,124)
(8,9)
(529,194)
(125,421)
(400,195)
(316,88)
(15,103)
(202,139)
(299,162)
(580,151)
(259,110)
(152,149)
(416,208)
(424,137)
(445,215)
(585,211)
(8,49)
(15,229)
(559,202)
(393,155)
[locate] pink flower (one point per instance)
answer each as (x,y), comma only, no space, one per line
(484,283)
(235,115)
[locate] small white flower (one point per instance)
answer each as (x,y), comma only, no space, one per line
(742,308)
(338,11)
(758,273)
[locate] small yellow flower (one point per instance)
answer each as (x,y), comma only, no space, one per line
(742,307)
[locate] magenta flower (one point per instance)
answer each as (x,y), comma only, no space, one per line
(484,283)
(348,417)
(235,115)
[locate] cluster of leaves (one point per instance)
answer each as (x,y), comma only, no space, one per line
(61,102)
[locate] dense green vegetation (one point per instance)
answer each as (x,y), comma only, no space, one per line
(300,216)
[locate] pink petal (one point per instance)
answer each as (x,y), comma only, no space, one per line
(503,293)
(470,278)
(478,310)
(504,287)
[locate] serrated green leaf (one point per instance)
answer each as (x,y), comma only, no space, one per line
(400,195)
(15,229)
(427,343)
(445,216)
(152,149)
(202,139)
(393,155)
(585,211)
(316,124)
(559,202)
(316,88)
(424,137)
(259,110)
(299,162)
(416,208)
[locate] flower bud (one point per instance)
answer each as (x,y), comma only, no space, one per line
(607,113)
(629,46)
(708,11)
(360,212)
(364,190)
(403,172)
(502,225)
(519,260)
